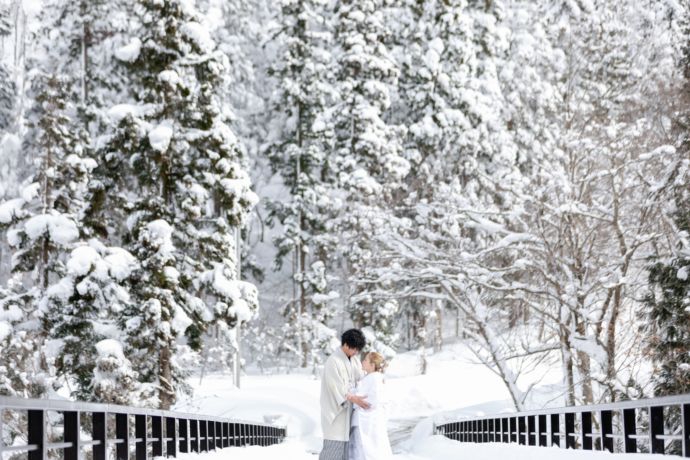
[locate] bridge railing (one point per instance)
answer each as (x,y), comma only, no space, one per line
(657,425)
(47,428)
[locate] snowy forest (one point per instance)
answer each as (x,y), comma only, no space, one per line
(202,186)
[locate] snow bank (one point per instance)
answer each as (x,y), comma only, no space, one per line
(440,448)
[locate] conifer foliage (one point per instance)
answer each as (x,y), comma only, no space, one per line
(300,155)
(193,192)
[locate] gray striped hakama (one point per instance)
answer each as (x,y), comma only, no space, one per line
(333,450)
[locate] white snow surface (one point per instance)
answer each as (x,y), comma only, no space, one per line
(10,209)
(160,136)
(61,229)
(199,35)
(110,347)
(453,381)
(129,52)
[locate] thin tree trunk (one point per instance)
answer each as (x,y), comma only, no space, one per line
(567,357)
(166,392)
(584,364)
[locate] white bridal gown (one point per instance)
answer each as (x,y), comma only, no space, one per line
(368,433)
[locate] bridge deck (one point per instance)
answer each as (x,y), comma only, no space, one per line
(435,448)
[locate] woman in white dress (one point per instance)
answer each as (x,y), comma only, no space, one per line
(368,433)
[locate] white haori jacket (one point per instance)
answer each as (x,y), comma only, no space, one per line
(340,375)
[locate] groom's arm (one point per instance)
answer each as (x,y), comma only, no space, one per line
(361,401)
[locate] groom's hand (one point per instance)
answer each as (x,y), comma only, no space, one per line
(360,401)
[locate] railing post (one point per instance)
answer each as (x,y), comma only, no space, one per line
(555,430)
(586,430)
(141,433)
(183,435)
(100,449)
(233,441)
(531,431)
(656,427)
(629,430)
(521,431)
(226,430)
(171,437)
(685,411)
(122,433)
(542,430)
(194,436)
(71,434)
(569,430)
(505,433)
(210,435)
(606,430)
(203,434)
(156,436)
(37,434)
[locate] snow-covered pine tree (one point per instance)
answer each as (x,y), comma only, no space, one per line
(669,321)
(42,228)
(192,192)
(668,300)
(84,34)
(79,311)
(299,154)
(114,380)
(8,97)
(8,94)
(368,159)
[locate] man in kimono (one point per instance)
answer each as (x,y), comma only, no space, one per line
(340,375)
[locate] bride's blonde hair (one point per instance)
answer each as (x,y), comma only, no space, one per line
(377,360)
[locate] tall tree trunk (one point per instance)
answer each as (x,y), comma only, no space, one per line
(166,392)
(567,357)
(584,366)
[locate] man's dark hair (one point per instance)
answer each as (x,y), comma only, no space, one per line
(354,338)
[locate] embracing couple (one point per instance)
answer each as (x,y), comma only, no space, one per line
(352,414)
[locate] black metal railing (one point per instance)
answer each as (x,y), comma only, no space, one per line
(46,428)
(658,426)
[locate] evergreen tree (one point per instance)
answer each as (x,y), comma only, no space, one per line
(79,311)
(43,222)
(299,156)
(114,379)
(84,33)
(369,162)
(193,193)
(7,87)
(668,301)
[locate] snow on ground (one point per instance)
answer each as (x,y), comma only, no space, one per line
(431,448)
(453,385)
